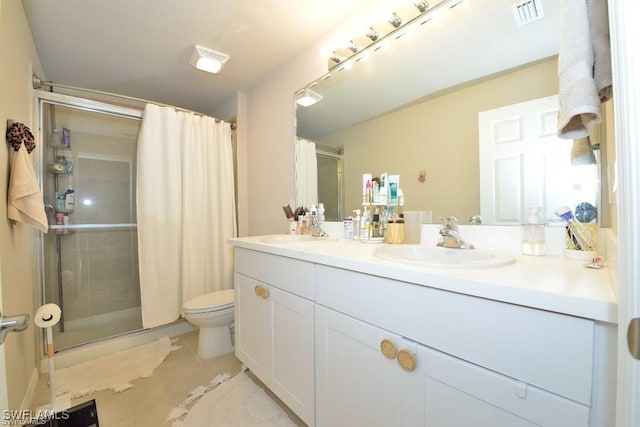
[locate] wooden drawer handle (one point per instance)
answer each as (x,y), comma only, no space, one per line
(407,360)
(388,348)
(261,292)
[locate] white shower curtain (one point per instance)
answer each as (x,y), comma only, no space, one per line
(185,210)
(306,173)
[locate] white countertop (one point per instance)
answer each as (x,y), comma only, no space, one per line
(550,282)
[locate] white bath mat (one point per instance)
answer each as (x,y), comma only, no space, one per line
(236,402)
(114,371)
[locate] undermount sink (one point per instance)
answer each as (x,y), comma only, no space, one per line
(296,239)
(430,256)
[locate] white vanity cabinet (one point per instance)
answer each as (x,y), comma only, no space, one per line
(465,360)
(274,325)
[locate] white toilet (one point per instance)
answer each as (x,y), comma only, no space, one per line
(213,314)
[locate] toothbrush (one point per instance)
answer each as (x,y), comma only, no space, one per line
(566,214)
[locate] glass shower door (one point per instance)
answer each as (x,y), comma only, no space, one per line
(90,261)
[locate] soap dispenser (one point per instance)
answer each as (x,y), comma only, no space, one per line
(533,234)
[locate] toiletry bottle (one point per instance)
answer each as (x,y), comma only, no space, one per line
(533,234)
(376,227)
(299,215)
(366,183)
(320,213)
(347,228)
(356,224)
(365,224)
(70,196)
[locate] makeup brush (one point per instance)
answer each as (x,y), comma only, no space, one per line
(288,211)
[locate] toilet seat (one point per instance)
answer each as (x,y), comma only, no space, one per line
(213,301)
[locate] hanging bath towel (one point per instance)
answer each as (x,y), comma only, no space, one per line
(25,203)
(599,27)
(583,52)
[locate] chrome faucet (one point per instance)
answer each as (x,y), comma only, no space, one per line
(475,220)
(315,229)
(450,234)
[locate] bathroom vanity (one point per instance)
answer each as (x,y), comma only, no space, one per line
(345,338)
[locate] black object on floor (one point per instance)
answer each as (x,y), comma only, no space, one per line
(83,415)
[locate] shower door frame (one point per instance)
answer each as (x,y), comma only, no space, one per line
(39,98)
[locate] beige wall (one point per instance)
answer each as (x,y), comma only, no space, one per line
(440,136)
(269,156)
(16,252)
(270,123)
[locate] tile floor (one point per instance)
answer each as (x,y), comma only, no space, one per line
(148,402)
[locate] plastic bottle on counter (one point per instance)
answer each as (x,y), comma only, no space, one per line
(533,233)
(320,213)
(356,224)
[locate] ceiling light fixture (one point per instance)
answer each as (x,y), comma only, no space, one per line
(208,60)
(307,97)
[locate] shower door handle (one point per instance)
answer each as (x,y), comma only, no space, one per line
(12,323)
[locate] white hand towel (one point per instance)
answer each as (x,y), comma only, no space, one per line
(25,203)
(579,103)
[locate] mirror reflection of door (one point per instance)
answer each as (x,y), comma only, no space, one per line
(523,163)
(330,183)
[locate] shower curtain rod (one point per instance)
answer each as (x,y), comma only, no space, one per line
(38,83)
(335,150)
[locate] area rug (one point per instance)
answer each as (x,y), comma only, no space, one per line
(113,372)
(230,402)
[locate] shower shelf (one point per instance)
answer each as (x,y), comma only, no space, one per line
(92,226)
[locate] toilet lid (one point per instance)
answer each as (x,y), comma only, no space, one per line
(211,301)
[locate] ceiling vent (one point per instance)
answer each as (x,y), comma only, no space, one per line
(527,11)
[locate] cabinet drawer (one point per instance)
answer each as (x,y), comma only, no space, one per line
(489,399)
(551,351)
(280,272)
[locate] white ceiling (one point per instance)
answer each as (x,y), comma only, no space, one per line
(141,48)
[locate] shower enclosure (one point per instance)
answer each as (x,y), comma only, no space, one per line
(89,256)
(330,181)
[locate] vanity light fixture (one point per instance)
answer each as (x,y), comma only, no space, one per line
(208,60)
(378,32)
(307,97)
(372,34)
(395,20)
(335,59)
(422,6)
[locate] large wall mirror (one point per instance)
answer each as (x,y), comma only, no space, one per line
(413,107)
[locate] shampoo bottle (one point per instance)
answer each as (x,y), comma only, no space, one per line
(533,235)
(70,196)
